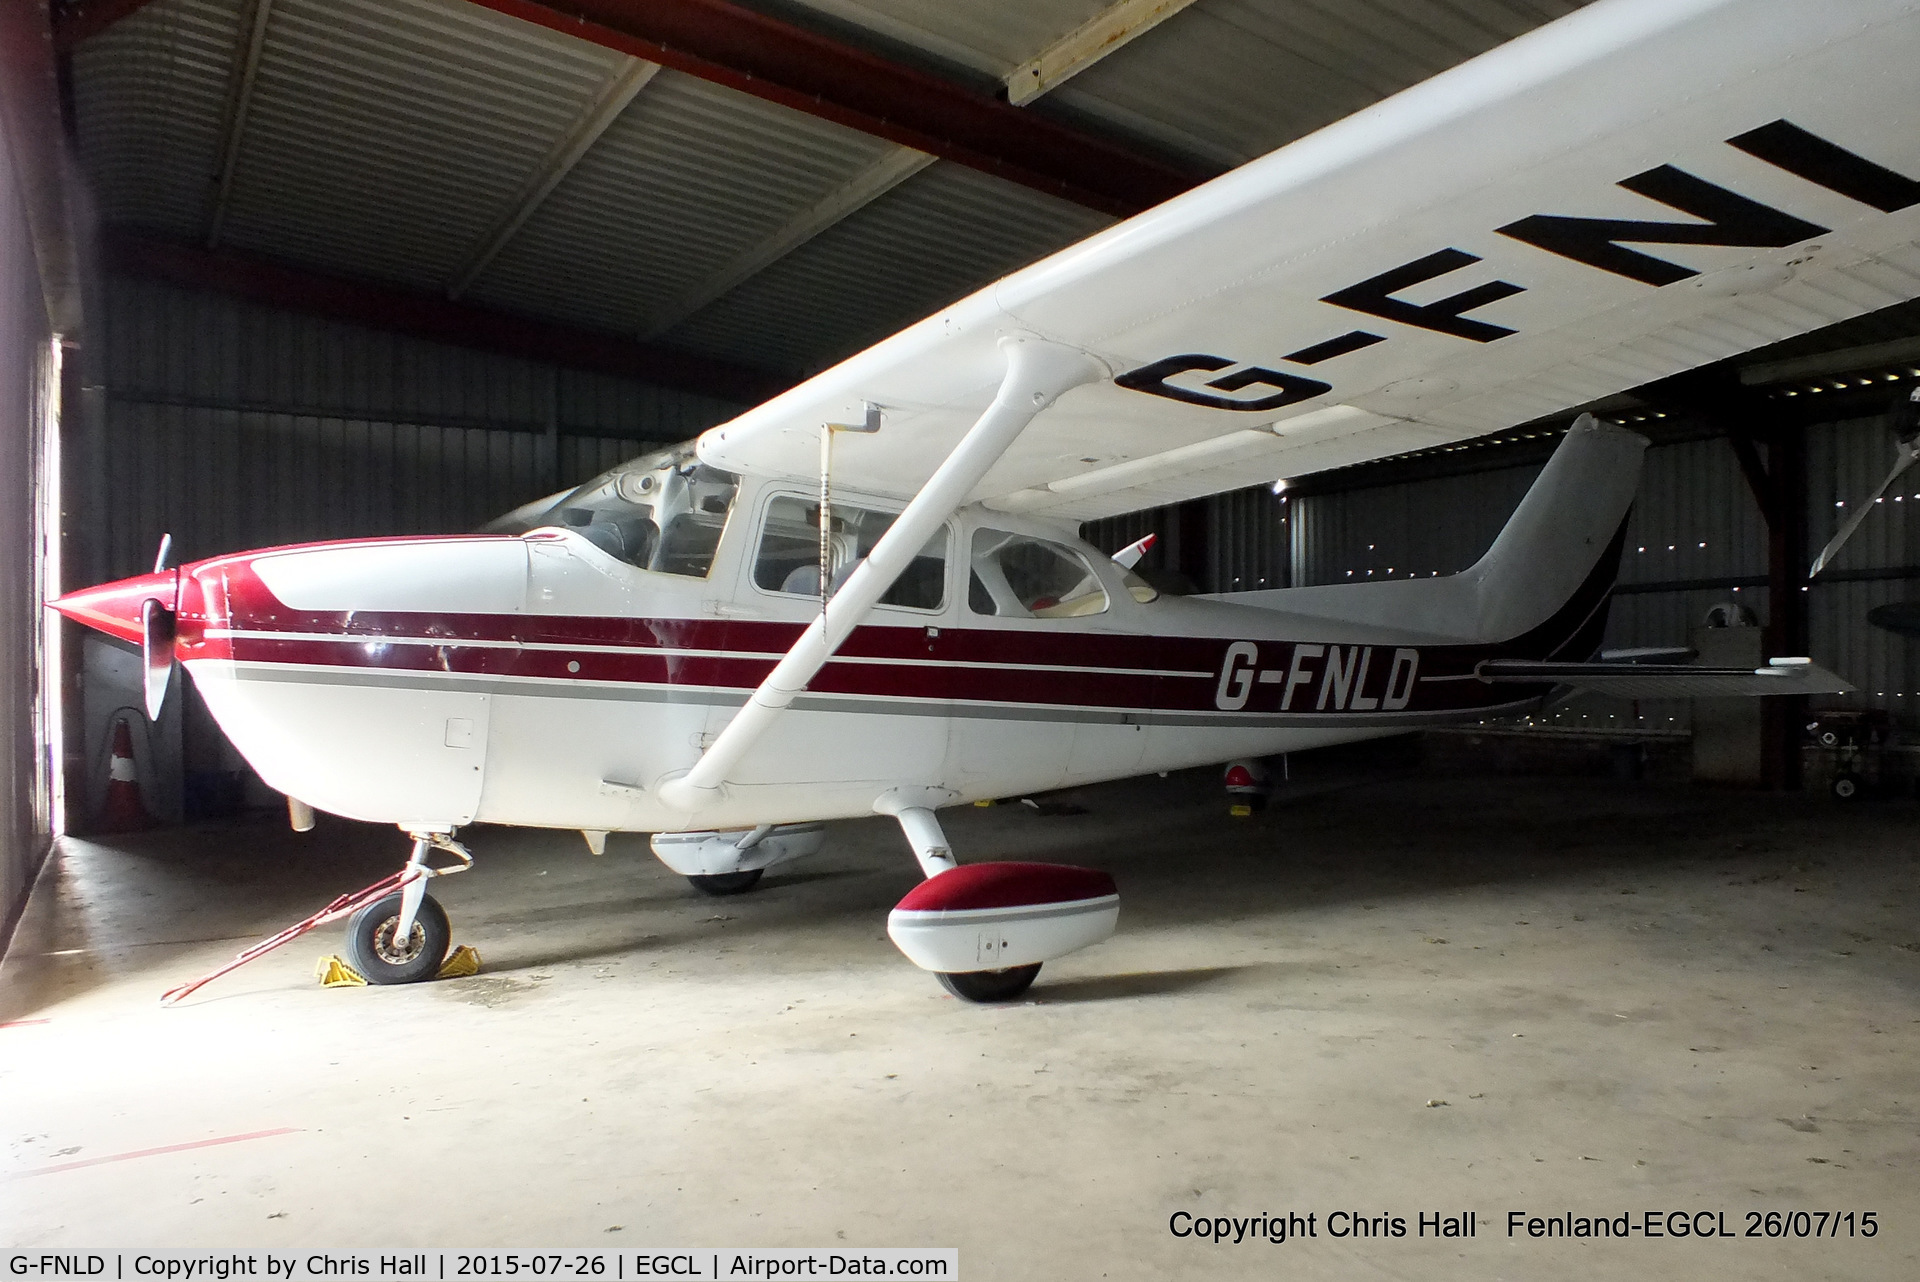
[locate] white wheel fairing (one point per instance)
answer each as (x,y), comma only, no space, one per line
(958,941)
(717,854)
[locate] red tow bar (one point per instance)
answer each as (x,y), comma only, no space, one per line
(334,911)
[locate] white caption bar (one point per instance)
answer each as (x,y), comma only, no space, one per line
(704,1264)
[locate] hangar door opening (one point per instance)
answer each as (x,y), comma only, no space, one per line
(30,362)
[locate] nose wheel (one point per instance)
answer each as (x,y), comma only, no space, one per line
(375,950)
(403,937)
(396,932)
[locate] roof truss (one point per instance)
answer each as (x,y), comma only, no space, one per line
(817,74)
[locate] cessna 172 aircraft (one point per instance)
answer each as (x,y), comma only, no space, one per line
(1631,191)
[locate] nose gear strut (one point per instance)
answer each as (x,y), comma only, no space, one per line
(415,922)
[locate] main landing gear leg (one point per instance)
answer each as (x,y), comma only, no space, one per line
(402,937)
(922,828)
(929,843)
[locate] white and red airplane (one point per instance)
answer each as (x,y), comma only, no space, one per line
(1631,191)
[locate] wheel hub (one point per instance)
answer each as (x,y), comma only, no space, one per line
(386,949)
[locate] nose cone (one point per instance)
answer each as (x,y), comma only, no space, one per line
(116,608)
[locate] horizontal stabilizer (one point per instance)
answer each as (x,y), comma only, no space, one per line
(1651,654)
(1669,680)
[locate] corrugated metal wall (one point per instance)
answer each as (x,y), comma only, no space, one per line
(1695,539)
(1411,530)
(233,426)
(1846,462)
(1694,524)
(1245,540)
(25,359)
(1248,535)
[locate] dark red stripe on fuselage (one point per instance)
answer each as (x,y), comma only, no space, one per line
(737,654)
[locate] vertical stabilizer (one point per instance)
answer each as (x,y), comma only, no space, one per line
(1552,543)
(1546,562)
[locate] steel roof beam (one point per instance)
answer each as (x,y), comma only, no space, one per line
(75,20)
(132,253)
(817,74)
(1073,53)
(239,100)
(620,90)
(1087,44)
(1844,361)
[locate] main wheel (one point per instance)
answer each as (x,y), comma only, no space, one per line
(1846,787)
(726,883)
(372,950)
(989,985)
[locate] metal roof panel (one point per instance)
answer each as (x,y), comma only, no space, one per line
(934,238)
(149,97)
(689,177)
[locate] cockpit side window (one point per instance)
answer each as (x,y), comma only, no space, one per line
(663,512)
(631,538)
(1017,576)
(789,556)
(692,512)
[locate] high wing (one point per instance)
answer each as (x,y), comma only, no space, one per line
(1634,190)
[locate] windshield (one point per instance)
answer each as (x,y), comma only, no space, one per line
(661,511)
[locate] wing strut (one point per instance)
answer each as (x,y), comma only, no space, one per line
(1038,372)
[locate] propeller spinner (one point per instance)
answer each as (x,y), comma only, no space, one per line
(138,610)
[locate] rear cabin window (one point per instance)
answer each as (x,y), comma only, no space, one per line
(1016,576)
(789,556)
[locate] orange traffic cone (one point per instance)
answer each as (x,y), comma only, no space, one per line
(123,811)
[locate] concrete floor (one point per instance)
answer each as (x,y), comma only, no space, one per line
(1387,995)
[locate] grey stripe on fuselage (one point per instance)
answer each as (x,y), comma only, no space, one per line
(887,705)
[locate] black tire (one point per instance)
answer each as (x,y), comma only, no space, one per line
(726,883)
(989,985)
(1846,787)
(370,942)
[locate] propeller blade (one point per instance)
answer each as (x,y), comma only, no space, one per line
(1832,549)
(156,654)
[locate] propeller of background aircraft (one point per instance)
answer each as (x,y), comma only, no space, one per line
(1906,431)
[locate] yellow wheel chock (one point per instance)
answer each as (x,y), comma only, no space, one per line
(332,972)
(463,961)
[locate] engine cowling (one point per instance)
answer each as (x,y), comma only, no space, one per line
(991,916)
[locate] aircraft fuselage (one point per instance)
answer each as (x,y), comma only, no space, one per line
(538,680)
